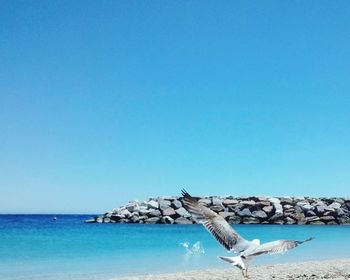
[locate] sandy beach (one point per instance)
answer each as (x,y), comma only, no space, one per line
(331,269)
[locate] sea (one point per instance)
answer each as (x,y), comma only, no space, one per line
(37,247)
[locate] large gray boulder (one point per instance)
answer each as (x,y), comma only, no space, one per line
(217,208)
(278,222)
(176,204)
(183,221)
(183,212)
(259,214)
(108,214)
(125,212)
(262,203)
(234,220)
(168,197)
(341,212)
(117,217)
(153,204)
(169,212)
(347,205)
(327,218)
(244,213)
(248,203)
(250,220)
(167,220)
(274,200)
(155,213)
(320,209)
(286,200)
(316,223)
(145,211)
(277,205)
(131,206)
(226,215)
(344,220)
(335,205)
(216,201)
(230,201)
(164,204)
(310,213)
(135,219)
(307,207)
(312,219)
(276,216)
(267,209)
(290,221)
(287,207)
(152,220)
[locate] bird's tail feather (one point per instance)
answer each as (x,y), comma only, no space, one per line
(237,261)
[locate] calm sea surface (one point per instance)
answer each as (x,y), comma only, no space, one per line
(36,247)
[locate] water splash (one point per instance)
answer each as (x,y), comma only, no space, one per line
(195,249)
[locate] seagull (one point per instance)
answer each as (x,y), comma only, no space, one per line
(230,239)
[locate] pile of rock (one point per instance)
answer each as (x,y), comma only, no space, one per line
(236,210)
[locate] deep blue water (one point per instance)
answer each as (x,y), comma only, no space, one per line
(36,247)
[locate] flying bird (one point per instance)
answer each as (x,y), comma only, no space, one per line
(225,234)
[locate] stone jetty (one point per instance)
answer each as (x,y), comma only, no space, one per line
(236,210)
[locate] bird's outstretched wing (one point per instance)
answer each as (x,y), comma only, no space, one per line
(274,247)
(215,224)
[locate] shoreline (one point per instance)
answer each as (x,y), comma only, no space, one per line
(336,269)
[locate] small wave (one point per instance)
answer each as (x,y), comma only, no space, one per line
(196,249)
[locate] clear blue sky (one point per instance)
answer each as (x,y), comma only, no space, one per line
(102,102)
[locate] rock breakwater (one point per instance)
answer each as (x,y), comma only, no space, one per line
(236,210)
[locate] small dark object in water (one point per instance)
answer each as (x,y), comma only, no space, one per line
(54,218)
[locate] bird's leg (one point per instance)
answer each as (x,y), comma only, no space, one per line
(246,273)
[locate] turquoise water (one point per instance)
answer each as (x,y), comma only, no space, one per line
(36,247)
